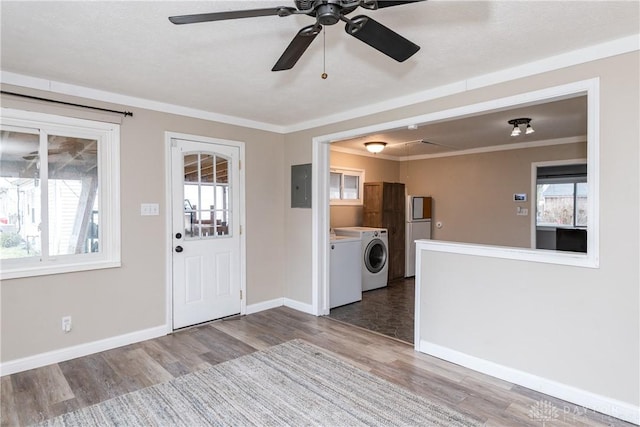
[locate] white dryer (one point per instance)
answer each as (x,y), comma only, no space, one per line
(375,251)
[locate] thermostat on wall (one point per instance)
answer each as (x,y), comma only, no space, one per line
(520,197)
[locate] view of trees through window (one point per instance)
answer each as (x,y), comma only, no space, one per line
(562,204)
(561,200)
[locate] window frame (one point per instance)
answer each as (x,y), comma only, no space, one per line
(573,181)
(359,173)
(591,258)
(108,137)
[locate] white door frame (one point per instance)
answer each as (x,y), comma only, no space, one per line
(320,176)
(168,136)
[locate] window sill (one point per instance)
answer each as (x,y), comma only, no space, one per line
(345,203)
(576,259)
(23,272)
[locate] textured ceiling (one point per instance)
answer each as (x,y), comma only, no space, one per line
(224,67)
(558,121)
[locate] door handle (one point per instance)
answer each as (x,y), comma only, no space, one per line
(179,249)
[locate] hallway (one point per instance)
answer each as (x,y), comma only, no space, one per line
(388,310)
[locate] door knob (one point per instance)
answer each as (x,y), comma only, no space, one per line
(179,249)
(178,235)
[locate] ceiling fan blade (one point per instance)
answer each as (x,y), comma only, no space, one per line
(381,38)
(389,3)
(233,14)
(297,47)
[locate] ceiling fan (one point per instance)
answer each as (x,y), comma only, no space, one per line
(325,12)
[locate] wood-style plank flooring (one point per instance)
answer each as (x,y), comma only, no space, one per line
(31,396)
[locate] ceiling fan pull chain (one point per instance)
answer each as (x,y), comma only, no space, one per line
(326,13)
(324,56)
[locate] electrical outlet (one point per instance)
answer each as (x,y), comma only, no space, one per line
(66,324)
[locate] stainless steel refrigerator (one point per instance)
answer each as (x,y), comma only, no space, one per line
(418,226)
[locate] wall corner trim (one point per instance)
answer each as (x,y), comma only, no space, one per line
(300,306)
(264,305)
(68,353)
(603,404)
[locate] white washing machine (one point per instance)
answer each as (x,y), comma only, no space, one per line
(375,251)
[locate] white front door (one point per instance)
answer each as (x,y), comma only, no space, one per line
(206,231)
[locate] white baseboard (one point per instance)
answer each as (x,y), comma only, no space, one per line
(300,306)
(264,305)
(68,353)
(605,405)
(278,302)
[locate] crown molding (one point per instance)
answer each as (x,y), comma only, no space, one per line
(490,149)
(568,59)
(53,86)
(576,57)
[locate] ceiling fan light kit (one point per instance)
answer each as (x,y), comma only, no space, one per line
(325,12)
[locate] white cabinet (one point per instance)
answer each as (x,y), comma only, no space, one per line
(345,278)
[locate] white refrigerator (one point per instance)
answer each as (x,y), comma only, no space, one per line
(418,226)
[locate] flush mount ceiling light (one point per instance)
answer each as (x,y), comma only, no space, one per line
(516,126)
(375,147)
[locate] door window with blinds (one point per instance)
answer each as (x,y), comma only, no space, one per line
(207,204)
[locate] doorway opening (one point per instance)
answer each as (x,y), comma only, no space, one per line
(587,90)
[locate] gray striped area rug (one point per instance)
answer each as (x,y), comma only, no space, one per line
(291,384)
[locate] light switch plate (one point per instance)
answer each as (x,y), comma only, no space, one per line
(148,209)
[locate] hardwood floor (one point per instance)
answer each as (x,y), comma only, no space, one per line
(42,393)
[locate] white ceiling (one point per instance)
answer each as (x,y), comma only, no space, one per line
(553,122)
(130,48)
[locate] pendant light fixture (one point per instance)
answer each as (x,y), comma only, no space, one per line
(375,146)
(529,129)
(516,126)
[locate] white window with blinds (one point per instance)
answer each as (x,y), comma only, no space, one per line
(346,186)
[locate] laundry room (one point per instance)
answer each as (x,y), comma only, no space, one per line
(368,245)
(474,180)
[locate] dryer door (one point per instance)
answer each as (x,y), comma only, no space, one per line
(375,255)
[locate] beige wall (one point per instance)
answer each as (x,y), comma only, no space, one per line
(117,301)
(577,326)
(573,325)
(472,194)
(297,242)
(376,170)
